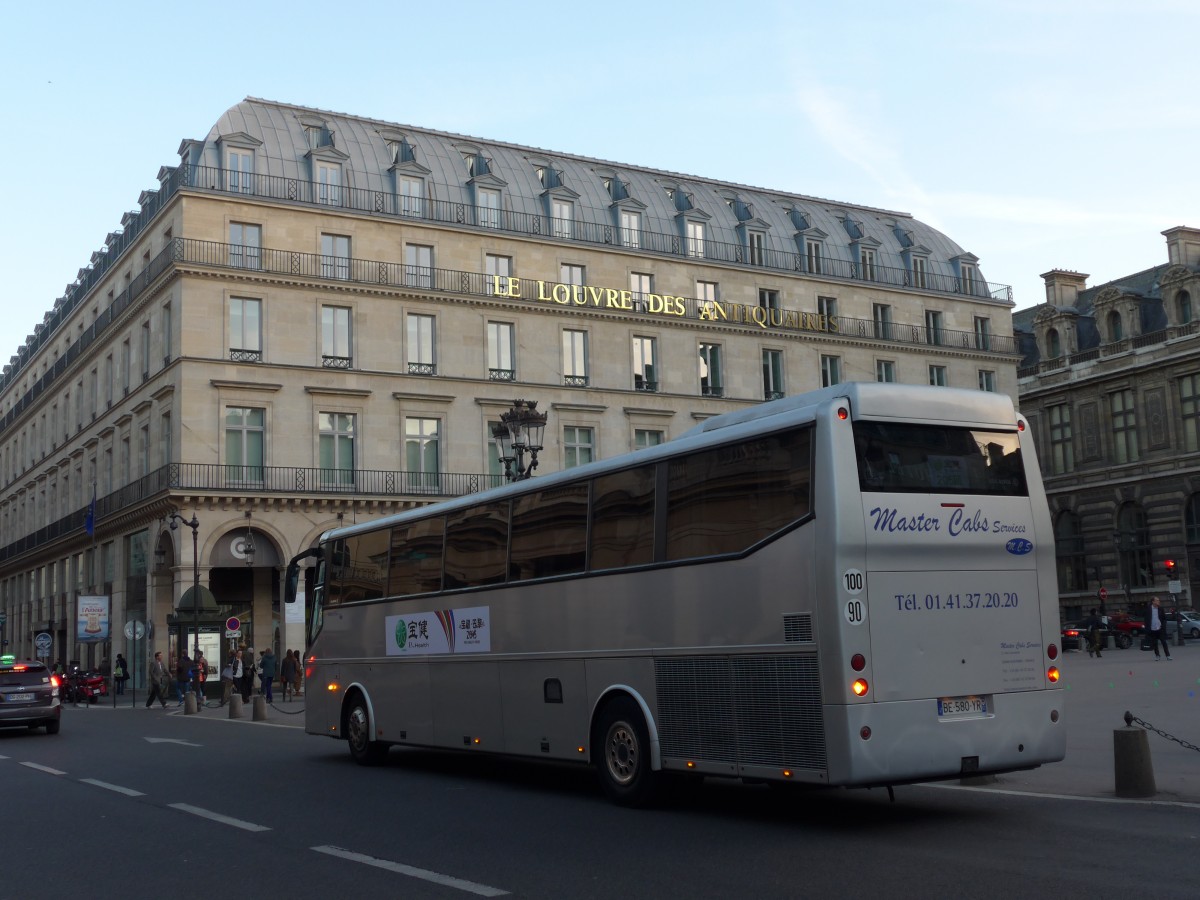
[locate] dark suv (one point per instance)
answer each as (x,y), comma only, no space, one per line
(28,695)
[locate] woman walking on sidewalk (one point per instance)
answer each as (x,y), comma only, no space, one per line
(287,674)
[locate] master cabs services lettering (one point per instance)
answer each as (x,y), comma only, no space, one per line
(508,286)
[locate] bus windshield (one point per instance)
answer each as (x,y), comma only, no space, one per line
(901,457)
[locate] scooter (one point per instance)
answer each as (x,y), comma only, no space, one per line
(81,687)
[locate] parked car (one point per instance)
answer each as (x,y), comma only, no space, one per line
(1188,620)
(28,695)
(1124,622)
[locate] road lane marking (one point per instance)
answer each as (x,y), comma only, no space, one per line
(43,768)
(424,874)
(217,817)
(1147,801)
(172,741)
(128,792)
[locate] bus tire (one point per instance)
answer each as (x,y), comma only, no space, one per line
(363,750)
(623,761)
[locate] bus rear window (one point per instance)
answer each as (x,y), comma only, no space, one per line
(909,458)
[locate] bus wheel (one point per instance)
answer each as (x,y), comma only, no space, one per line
(624,758)
(363,750)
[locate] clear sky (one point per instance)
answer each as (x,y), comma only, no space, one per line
(1036,134)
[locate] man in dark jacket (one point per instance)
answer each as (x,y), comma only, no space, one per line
(1156,627)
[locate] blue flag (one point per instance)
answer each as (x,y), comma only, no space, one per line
(89,523)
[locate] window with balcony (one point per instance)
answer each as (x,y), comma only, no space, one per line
(245,442)
(245,329)
(329,183)
(488,207)
(768,299)
(421,345)
(418,265)
(335,449)
(706,293)
(970,279)
(645,364)
(631,229)
(422,453)
(575,358)
(983,333)
(500,349)
(919,269)
(571,274)
(245,245)
(933,327)
(412,196)
(641,284)
(827,307)
(695,239)
(336,339)
(814,253)
(239,172)
(866,263)
(711,382)
(881,317)
(494,267)
(758,248)
(562,219)
(335,256)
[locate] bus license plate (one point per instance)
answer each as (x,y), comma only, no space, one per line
(952,707)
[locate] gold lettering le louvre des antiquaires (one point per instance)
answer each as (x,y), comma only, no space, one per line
(663,305)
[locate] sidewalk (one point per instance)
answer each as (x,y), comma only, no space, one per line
(1097,694)
(278,710)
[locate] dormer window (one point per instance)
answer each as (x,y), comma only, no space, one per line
(329,183)
(814,253)
(1115,331)
(695,239)
(970,278)
(488,207)
(240,169)
(919,269)
(563,219)
(631,228)
(312,134)
(412,196)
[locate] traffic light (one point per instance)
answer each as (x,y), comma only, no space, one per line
(1170,564)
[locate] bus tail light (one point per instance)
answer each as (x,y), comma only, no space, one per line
(860,687)
(865,732)
(858,662)
(1052,674)
(1052,650)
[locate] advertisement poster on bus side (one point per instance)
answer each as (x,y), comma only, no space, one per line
(439,631)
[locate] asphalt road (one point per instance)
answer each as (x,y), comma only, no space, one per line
(131,801)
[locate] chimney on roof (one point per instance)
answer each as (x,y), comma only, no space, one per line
(1063,286)
(1183,246)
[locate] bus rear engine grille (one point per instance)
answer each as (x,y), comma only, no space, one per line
(744,710)
(797,628)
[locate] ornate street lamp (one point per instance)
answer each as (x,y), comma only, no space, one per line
(519,433)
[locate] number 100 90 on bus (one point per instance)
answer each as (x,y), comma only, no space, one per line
(853,587)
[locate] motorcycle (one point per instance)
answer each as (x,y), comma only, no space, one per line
(83,687)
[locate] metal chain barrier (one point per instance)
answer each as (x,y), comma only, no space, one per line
(1130,718)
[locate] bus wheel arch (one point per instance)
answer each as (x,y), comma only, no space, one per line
(624,754)
(358,724)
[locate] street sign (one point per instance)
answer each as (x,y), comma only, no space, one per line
(1175,587)
(43,642)
(233,634)
(233,623)
(135,629)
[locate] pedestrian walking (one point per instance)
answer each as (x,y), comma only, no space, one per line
(159,677)
(1095,640)
(232,670)
(267,671)
(183,676)
(287,674)
(200,668)
(299,673)
(120,674)
(247,683)
(1156,628)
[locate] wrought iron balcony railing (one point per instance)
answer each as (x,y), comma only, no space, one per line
(201,478)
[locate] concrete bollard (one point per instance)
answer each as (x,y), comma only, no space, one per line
(1132,767)
(260,708)
(189,704)
(235,706)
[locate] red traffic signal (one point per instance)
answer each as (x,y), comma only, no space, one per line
(1170,563)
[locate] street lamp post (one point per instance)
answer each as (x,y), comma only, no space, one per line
(194,524)
(520,431)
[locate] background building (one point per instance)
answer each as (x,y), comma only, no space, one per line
(317,318)
(1110,381)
